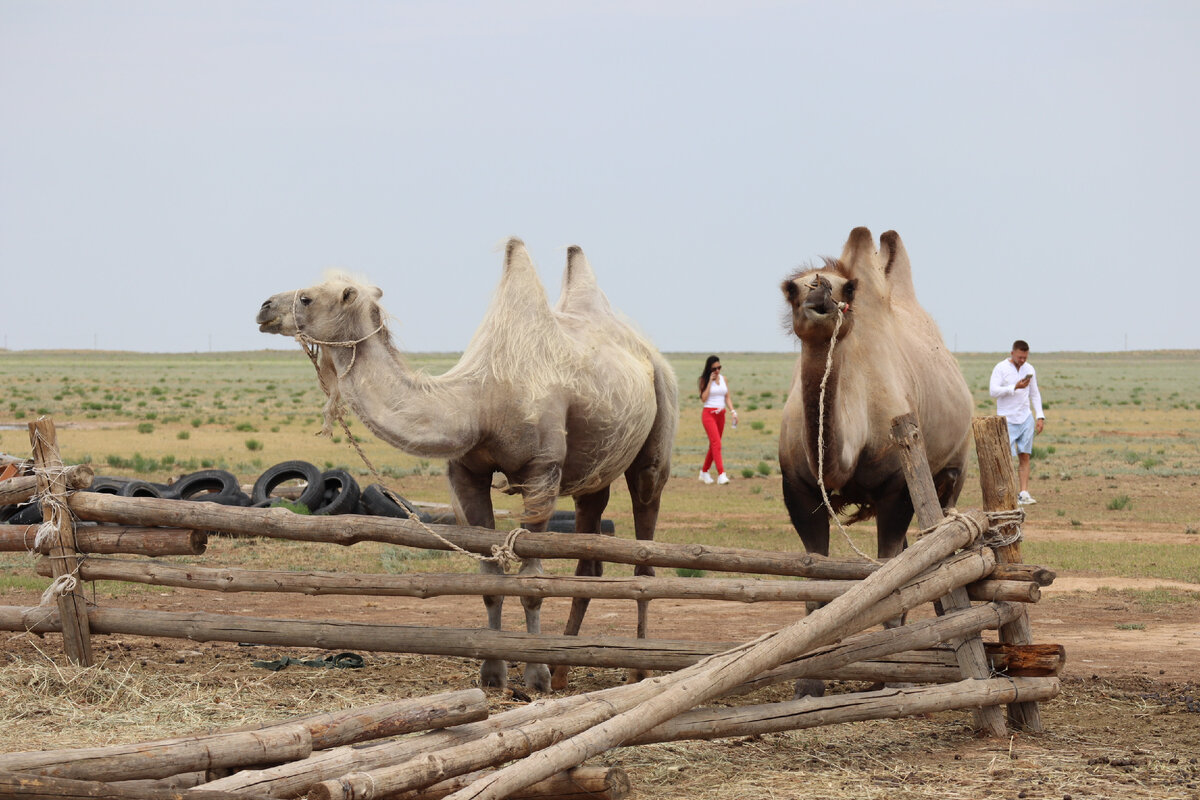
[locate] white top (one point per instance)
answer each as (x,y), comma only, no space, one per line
(1013,403)
(717,392)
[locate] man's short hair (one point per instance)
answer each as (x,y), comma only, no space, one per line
(1022,345)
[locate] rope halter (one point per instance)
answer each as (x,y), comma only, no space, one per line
(310,344)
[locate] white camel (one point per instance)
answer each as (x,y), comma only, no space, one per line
(561,401)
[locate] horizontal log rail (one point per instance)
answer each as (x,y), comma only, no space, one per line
(113,540)
(23,786)
(810,712)
(426,585)
(345,530)
(23,487)
(577,650)
(279,742)
(937,666)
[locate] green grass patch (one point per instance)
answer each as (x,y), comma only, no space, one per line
(400,559)
(1119,503)
(1176,562)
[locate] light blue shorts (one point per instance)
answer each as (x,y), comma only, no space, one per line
(1020,437)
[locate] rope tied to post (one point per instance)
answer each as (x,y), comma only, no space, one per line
(1005,527)
(48,530)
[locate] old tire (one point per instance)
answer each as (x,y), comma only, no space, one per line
(291,471)
(568,526)
(147,489)
(105,484)
(27,514)
(340,493)
(377,501)
(211,486)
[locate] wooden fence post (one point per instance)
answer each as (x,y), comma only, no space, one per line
(999,485)
(64,557)
(971,656)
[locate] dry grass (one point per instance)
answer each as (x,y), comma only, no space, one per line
(122,700)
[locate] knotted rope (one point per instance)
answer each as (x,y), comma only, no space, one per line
(504,555)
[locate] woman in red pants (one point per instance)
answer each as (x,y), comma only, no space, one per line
(714,394)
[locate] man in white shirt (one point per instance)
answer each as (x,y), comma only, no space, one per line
(1014,385)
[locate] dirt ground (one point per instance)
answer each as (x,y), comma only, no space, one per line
(1127,723)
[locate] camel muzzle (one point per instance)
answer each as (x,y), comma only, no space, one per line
(820,304)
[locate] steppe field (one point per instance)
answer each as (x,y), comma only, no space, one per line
(1116,474)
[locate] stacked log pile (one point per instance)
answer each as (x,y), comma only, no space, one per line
(976,587)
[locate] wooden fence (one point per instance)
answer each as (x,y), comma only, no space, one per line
(977,586)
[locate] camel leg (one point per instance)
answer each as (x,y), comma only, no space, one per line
(893,513)
(537,676)
(646,480)
(811,521)
(539,490)
(949,483)
(588,511)
(472,495)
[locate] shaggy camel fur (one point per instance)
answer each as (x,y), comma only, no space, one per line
(889,359)
(561,401)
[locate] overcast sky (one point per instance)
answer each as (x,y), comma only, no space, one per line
(166,166)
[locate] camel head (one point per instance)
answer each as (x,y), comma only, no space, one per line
(339,310)
(275,314)
(815,298)
(857,284)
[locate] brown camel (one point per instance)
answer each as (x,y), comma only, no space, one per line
(561,401)
(888,359)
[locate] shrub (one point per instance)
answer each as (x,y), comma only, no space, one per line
(747,472)
(758,424)
(764,468)
(244,427)
(1119,503)
(145,427)
(688,572)
(253,444)
(295,508)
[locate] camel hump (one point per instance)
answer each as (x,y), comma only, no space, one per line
(897,267)
(861,261)
(516,256)
(580,291)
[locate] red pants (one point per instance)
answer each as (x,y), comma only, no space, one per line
(714,426)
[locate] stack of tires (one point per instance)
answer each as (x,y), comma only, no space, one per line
(327,492)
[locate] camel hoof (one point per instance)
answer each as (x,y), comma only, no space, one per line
(537,677)
(493,675)
(808,687)
(559,678)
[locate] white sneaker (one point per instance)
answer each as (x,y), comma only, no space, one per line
(705,477)
(722,479)
(1025,499)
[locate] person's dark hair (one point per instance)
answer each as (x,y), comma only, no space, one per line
(707,374)
(1022,345)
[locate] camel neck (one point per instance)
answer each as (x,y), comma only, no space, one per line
(434,417)
(827,437)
